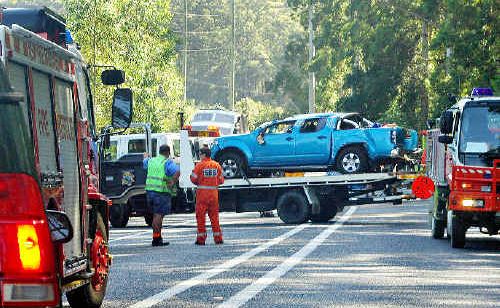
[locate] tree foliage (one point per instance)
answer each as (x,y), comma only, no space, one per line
(388,59)
(135,36)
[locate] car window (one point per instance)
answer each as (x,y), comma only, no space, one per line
(154,146)
(348,124)
(205,116)
(313,125)
(137,146)
(226,118)
(111,153)
(280,128)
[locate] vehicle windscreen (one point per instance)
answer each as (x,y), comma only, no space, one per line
(225,118)
(199,117)
(480,130)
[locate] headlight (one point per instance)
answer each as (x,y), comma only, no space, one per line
(473,203)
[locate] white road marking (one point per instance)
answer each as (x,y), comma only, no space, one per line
(201,278)
(129,236)
(260,284)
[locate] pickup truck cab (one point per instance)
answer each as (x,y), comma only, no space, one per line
(345,142)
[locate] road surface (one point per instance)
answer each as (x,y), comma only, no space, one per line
(368,256)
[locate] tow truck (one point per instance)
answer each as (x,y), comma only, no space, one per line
(463,160)
(311,196)
(53,217)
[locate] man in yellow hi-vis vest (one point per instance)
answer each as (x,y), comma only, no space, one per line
(163,174)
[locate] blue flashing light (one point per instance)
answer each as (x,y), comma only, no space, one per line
(482,92)
(69,38)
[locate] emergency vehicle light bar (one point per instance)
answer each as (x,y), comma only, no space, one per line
(482,92)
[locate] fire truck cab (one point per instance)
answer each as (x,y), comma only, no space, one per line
(53,219)
(463,159)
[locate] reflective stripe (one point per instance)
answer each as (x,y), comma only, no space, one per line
(207,187)
(202,234)
(157,178)
(217,233)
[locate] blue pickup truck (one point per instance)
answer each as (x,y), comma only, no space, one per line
(344,142)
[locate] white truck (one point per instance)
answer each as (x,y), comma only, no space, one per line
(216,122)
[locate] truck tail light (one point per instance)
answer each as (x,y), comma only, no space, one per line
(27,265)
(29,248)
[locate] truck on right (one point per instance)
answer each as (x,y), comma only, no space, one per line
(463,159)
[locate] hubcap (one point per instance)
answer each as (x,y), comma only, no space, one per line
(351,162)
(100,261)
(229,168)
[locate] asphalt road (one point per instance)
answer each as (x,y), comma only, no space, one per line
(368,256)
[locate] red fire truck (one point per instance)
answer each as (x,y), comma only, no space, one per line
(53,219)
(463,159)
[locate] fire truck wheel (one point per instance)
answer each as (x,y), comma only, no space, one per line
(119,215)
(293,207)
(148,219)
(352,159)
(92,295)
(437,228)
(458,231)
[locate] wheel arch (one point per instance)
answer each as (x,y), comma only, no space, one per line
(233,150)
(360,144)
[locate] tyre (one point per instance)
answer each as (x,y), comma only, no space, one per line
(352,159)
(148,219)
(458,230)
(327,210)
(233,164)
(91,295)
(119,215)
(437,228)
(293,207)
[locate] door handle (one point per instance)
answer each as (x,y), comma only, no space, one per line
(321,137)
(289,139)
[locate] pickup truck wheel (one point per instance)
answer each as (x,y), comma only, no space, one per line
(458,230)
(232,165)
(352,159)
(293,207)
(119,215)
(92,294)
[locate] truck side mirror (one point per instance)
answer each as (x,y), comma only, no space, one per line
(60,227)
(445,139)
(446,122)
(122,108)
(112,77)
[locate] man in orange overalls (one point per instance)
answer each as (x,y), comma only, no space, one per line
(207,175)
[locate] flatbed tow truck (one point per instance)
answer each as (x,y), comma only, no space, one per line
(314,196)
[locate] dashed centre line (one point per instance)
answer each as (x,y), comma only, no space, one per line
(260,284)
(203,277)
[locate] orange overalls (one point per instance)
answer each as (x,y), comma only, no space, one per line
(207,174)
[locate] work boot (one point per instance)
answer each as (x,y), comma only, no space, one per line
(159,242)
(200,243)
(219,242)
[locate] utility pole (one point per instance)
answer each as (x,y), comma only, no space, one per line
(312,52)
(186,47)
(233,56)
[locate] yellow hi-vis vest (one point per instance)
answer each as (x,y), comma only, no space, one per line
(157,179)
